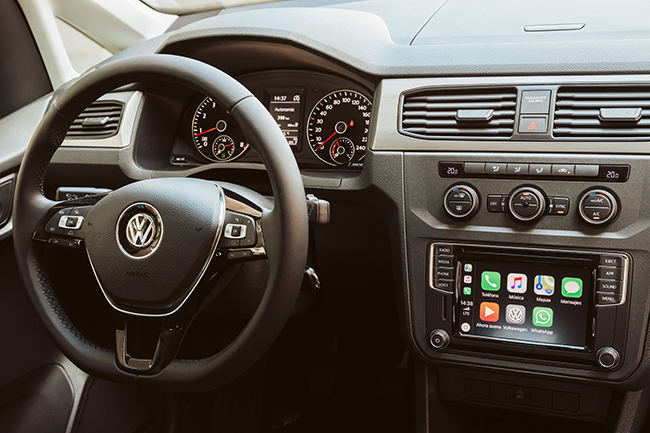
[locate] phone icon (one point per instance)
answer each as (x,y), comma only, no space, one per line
(491,281)
(517,283)
(543,317)
(544,285)
(571,287)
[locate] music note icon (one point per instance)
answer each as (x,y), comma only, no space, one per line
(517,283)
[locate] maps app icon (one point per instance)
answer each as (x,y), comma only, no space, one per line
(544,285)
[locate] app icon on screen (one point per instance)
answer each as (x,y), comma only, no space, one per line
(515,314)
(571,287)
(468,267)
(490,281)
(544,285)
(517,283)
(467,279)
(467,291)
(489,312)
(543,317)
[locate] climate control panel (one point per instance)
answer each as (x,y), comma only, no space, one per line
(529,203)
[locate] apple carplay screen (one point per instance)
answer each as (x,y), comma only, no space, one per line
(542,304)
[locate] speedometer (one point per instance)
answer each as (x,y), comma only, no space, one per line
(338,128)
(215,133)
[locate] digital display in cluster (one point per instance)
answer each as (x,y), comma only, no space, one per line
(286,107)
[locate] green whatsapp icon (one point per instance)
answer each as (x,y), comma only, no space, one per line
(543,317)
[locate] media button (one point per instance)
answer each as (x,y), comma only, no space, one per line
(447,261)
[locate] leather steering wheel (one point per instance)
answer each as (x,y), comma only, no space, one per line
(158,246)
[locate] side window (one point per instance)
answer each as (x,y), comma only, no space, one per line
(23,77)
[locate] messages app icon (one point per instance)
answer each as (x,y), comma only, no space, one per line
(544,285)
(490,281)
(571,287)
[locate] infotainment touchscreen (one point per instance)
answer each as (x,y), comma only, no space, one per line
(543,301)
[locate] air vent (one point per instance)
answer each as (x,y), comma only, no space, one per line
(100,120)
(602,113)
(461,113)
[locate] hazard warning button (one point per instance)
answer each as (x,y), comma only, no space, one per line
(532,125)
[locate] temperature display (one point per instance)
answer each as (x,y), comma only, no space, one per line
(285,105)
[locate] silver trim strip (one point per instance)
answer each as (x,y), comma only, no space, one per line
(222,218)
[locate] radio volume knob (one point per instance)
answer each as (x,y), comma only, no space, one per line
(461,201)
(608,357)
(439,338)
(527,204)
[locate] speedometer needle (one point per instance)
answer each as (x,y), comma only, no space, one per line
(335,132)
(205,132)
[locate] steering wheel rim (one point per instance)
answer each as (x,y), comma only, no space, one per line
(286,235)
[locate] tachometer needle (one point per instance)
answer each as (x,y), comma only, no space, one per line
(205,132)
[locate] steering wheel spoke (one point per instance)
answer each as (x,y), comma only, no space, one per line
(64,223)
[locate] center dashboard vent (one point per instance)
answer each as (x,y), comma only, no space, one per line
(101,119)
(487,113)
(602,113)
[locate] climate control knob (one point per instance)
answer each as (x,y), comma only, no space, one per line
(527,203)
(598,207)
(461,201)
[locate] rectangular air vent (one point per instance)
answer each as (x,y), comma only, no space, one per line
(100,120)
(459,113)
(602,113)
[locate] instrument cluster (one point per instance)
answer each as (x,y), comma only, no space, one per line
(325,119)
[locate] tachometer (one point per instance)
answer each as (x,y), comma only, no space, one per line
(215,133)
(338,128)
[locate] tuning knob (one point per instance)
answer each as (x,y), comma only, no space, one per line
(461,201)
(608,357)
(527,204)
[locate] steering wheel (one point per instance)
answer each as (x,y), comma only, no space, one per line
(157,247)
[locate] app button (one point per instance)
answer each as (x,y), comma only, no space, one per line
(544,285)
(571,287)
(543,317)
(490,281)
(489,312)
(517,283)
(467,279)
(465,327)
(515,314)
(467,291)
(468,267)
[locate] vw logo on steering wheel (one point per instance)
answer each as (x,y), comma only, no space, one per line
(141,230)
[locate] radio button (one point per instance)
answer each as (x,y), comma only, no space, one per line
(447,261)
(603,299)
(610,273)
(440,249)
(611,261)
